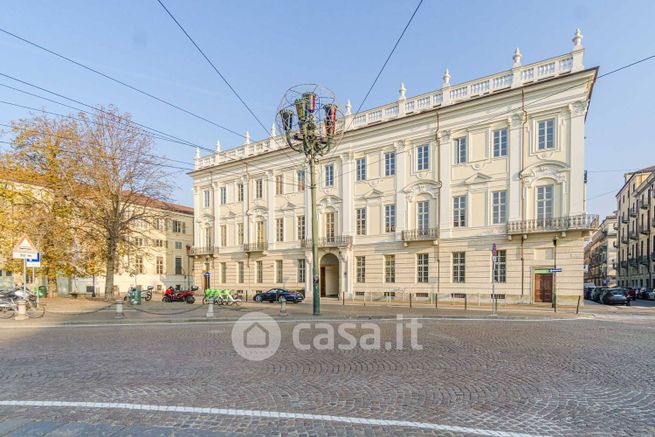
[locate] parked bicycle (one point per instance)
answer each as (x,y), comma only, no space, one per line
(220,297)
(9,303)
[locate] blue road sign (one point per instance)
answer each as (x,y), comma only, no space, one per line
(555,270)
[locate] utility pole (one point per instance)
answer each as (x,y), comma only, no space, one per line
(308,118)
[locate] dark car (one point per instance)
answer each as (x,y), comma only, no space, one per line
(595,296)
(614,296)
(278,294)
(644,293)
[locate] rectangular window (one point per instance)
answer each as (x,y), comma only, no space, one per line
(139,265)
(259,188)
(223,273)
(361,169)
(360,219)
(279,229)
(301,180)
(178,265)
(459,267)
(300,220)
(239,192)
(259,231)
(361,268)
(240,272)
(390,218)
(260,272)
(390,268)
(500,272)
(223,195)
(545,202)
(459,211)
(178,245)
(422,271)
(278,271)
(546,134)
(423,215)
(301,271)
(206,199)
(329,226)
(390,163)
(422,157)
(500,143)
(499,207)
(460,150)
(179,227)
(223,235)
(239,233)
(329,175)
(160,265)
(279,184)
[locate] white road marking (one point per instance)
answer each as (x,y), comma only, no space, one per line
(266,414)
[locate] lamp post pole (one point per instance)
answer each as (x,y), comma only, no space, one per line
(308,121)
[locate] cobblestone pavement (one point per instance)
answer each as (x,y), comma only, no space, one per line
(558,377)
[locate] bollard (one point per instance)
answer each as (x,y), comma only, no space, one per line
(119,309)
(343,298)
(22,310)
(283,307)
(465,301)
(577,308)
(410,300)
(436,301)
(210,309)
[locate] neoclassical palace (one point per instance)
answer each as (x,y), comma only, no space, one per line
(415,195)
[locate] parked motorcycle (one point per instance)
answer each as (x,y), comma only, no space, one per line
(145,294)
(172,295)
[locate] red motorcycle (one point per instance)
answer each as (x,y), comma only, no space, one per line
(172,295)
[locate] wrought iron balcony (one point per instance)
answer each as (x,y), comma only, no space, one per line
(633,262)
(568,223)
(333,241)
(203,250)
(258,246)
(644,229)
(615,244)
(624,239)
(624,264)
(614,265)
(428,234)
(643,260)
(624,220)
(632,212)
(634,235)
(644,205)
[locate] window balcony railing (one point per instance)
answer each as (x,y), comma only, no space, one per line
(644,205)
(624,240)
(258,246)
(643,260)
(615,226)
(633,262)
(624,220)
(203,250)
(634,235)
(333,241)
(624,264)
(615,244)
(644,229)
(568,223)
(633,212)
(428,234)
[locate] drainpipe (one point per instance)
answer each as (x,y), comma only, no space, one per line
(521,201)
(438,140)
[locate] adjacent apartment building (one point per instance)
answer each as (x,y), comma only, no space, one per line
(601,258)
(636,239)
(415,195)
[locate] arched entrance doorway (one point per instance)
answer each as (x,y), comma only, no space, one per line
(329,276)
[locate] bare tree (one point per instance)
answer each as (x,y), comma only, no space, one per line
(118,186)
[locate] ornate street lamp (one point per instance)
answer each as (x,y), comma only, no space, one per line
(308,118)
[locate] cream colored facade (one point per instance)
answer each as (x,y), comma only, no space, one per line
(161,257)
(496,160)
(636,239)
(601,254)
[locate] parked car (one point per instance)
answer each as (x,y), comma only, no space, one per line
(644,293)
(277,294)
(615,296)
(595,296)
(630,293)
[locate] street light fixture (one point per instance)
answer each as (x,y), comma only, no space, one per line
(308,117)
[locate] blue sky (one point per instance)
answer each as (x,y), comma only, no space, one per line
(265,47)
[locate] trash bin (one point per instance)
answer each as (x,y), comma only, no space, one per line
(42,291)
(135,296)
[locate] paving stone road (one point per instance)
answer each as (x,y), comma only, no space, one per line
(558,377)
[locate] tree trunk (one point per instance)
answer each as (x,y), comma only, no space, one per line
(109,271)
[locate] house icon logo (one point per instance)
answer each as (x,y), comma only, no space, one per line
(256,336)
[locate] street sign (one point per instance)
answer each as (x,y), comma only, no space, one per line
(33,262)
(555,270)
(207,275)
(25,249)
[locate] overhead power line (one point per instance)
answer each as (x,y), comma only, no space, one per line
(120,82)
